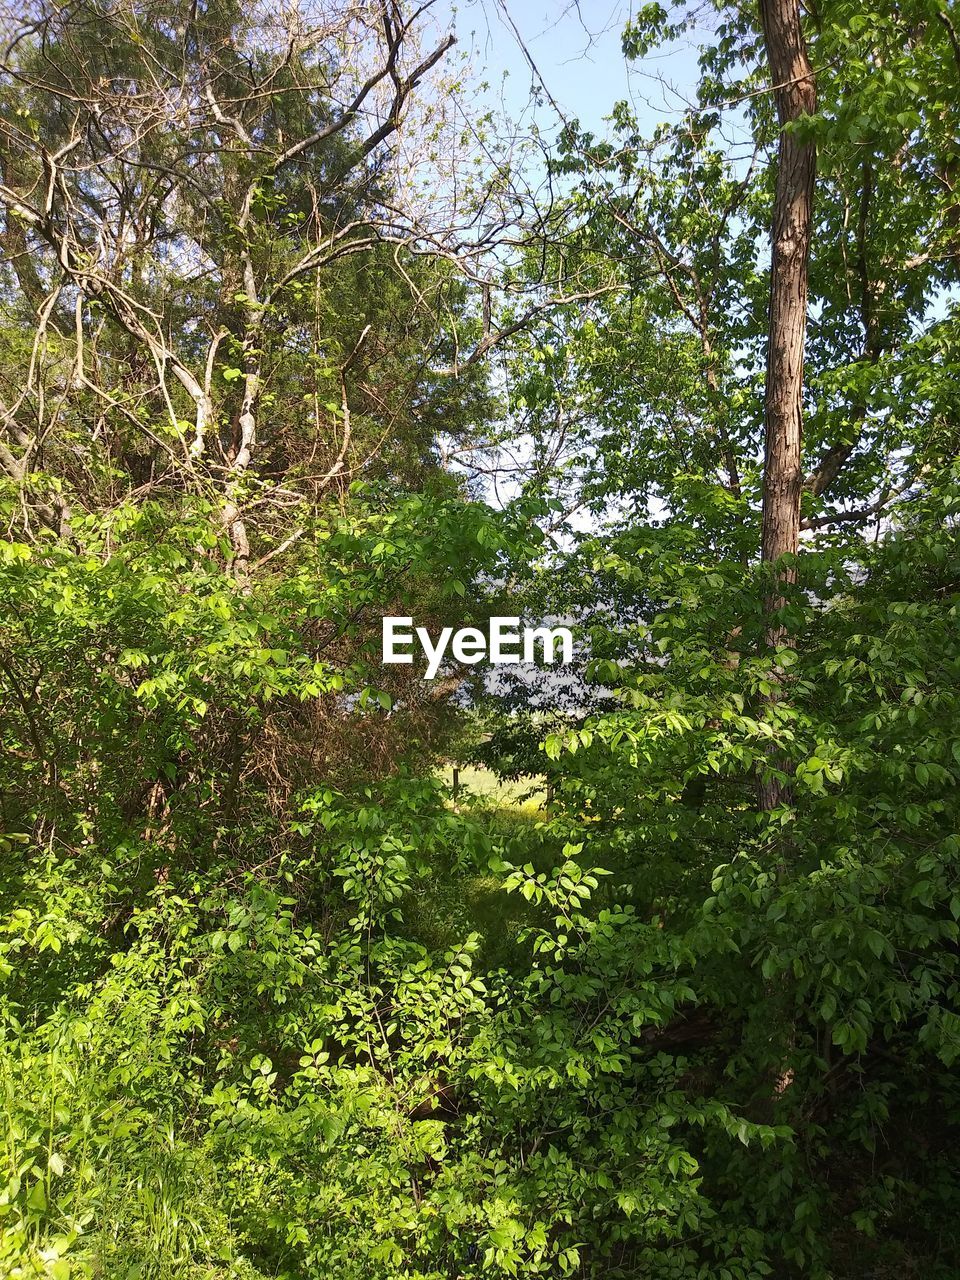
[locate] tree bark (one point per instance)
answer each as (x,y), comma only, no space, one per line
(794,92)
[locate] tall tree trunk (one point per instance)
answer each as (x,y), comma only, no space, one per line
(794,91)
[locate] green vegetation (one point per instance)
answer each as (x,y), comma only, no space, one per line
(504,797)
(670,988)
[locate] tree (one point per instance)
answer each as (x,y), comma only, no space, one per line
(271,1004)
(795,92)
(207,148)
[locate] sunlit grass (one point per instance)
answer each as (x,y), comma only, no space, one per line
(523,795)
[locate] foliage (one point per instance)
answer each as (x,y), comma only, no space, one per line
(274,1001)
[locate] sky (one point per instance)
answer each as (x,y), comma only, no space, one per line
(576,49)
(577,52)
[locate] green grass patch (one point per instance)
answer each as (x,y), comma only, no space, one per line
(524,795)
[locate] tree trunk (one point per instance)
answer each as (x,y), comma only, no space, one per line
(795,95)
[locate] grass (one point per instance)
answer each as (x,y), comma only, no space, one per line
(524,795)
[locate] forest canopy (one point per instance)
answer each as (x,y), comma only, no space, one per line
(315,968)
